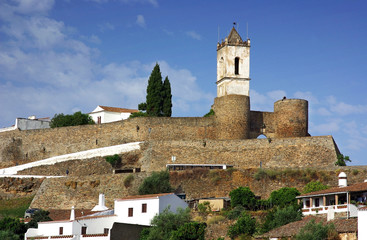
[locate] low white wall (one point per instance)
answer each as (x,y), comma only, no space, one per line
(362,224)
(99,152)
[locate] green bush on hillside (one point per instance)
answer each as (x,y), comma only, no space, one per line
(158,182)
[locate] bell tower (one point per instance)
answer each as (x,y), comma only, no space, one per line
(233,65)
(232,104)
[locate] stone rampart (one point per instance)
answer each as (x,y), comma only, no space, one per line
(82,191)
(19,147)
(271,153)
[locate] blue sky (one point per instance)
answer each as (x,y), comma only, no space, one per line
(69,55)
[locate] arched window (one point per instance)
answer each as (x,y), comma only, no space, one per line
(236,65)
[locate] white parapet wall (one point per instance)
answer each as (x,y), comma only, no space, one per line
(98,152)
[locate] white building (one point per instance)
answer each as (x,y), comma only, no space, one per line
(362,223)
(337,200)
(28,124)
(138,210)
(103,114)
(141,209)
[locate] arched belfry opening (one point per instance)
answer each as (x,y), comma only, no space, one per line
(236,65)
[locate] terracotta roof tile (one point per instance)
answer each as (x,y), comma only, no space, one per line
(358,187)
(144,196)
(291,229)
(121,110)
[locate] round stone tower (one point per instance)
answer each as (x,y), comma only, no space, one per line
(232,104)
(291,116)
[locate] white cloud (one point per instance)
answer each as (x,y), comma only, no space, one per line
(307,96)
(140,21)
(323,111)
(326,128)
(106,27)
(152,2)
(45,70)
(193,35)
(347,109)
(33,6)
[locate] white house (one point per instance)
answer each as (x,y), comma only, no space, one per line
(343,200)
(362,223)
(138,210)
(28,124)
(103,114)
(141,209)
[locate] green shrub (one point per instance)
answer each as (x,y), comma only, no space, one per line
(204,207)
(260,174)
(158,182)
(138,114)
(244,225)
(78,118)
(342,160)
(164,224)
(12,226)
(236,212)
(284,197)
(39,216)
(244,197)
(280,217)
(128,180)
(114,160)
(210,113)
(355,172)
(190,231)
(317,231)
(314,186)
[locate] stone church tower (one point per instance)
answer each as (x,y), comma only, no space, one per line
(233,117)
(232,104)
(233,66)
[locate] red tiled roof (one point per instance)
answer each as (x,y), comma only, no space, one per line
(99,216)
(144,196)
(121,110)
(358,187)
(62,214)
(291,229)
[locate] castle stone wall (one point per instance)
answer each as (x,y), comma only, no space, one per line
(291,118)
(232,113)
(262,123)
(272,153)
(19,147)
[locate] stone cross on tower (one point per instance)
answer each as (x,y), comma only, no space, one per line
(233,66)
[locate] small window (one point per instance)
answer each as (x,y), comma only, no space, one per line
(317,202)
(236,65)
(106,230)
(61,231)
(84,230)
(131,212)
(99,120)
(308,203)
(144,208)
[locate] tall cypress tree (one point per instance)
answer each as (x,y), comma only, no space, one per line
(154,92)
(166,98)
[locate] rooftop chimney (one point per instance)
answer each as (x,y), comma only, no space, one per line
(72,214)
(343,179)
(101,204)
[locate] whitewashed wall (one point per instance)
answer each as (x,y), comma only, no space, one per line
(122,210)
